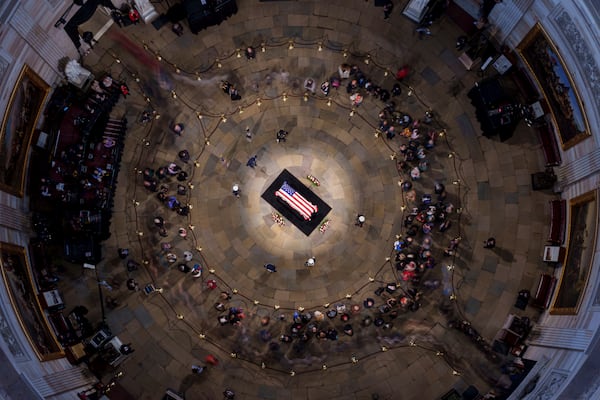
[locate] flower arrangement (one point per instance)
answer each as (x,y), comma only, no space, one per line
(314,180)
(278,219)
(324,226)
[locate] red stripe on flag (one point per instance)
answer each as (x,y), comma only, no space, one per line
(298,203)
(288,199)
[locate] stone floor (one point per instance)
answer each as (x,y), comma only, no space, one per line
(419,356)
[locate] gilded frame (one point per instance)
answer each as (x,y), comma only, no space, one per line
(18,124)
(16,274)
(583,224)
(547,66)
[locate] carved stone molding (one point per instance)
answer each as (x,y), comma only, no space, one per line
(5,60)
(580,48)
(8,336)
(4,63)
(597,295)
(550,386)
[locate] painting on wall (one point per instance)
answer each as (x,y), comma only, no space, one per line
(20,287)
(583,223)
(20,119)
(548,68)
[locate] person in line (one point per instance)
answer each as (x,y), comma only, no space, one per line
(198,369)
(178,129)
(344,71)
(182,232)
(325,88)
(184,268)
(197,271)
(182,176)
(234,94)
(225,86)
(356,99)
(310,85)
(132,285)
(134,16)
(387,9)
(184,155)
(402,73)
(173,169)
(132,265)
(211,359)
(123,253)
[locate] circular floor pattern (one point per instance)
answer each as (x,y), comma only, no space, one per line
(352,181)
(237,236)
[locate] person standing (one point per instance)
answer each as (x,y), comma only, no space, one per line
(197,271)
(281,136)
(123,253)
(270,268)
(182,232)
(490,243)
(178,129)
(236,190)
(325,88)
(197,369)
(360,220)
(252,162)
(402,73)
(212,360)
(184,155)
(310,262)
(248,134)
(387,9)
(177,29)
(132,285)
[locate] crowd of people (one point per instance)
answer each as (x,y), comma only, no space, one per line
(169,193)
(429,214)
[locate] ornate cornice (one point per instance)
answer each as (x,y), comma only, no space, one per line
(583,55)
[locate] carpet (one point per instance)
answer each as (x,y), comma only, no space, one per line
(306,227)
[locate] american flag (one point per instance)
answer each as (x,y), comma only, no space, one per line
(296,201)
